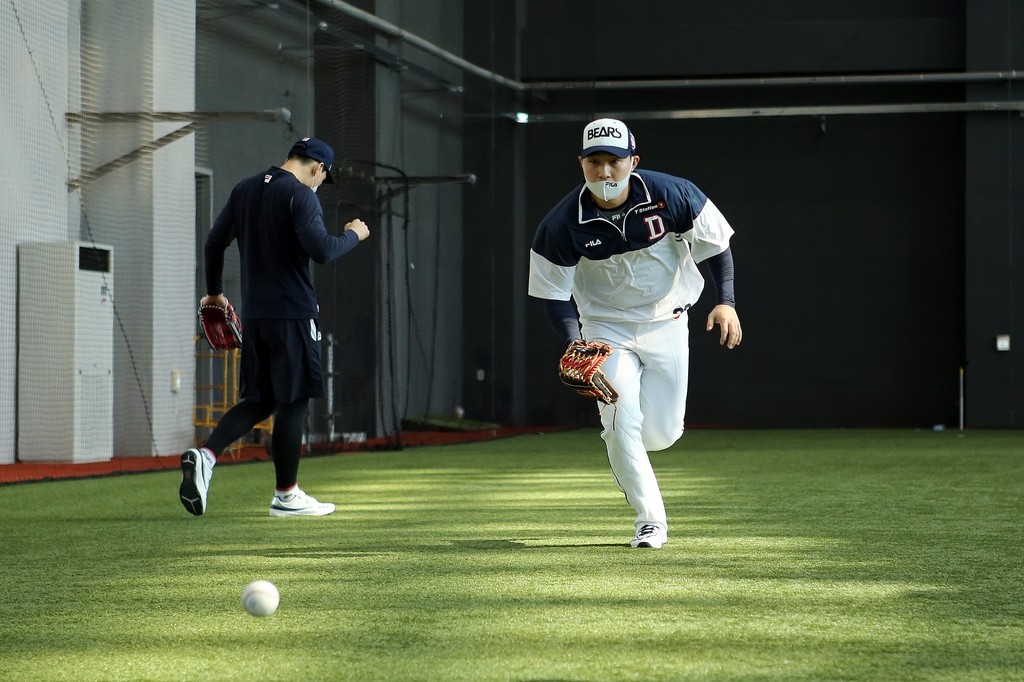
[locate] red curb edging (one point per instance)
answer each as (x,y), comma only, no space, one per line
(29,472)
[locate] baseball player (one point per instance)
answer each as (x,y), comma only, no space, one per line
(624,246)
(279,225)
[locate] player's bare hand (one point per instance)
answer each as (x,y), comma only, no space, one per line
(217,300)
(729,323)
(359,227)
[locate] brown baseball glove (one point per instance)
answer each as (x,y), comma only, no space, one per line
(579,369)
(221,326)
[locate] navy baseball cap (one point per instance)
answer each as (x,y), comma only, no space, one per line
(608,135)
(318,150)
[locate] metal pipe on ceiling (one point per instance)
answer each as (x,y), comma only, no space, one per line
(766,112)
(280,115)
(863,79)
(389,29)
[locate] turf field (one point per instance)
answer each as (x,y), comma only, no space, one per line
(810,555)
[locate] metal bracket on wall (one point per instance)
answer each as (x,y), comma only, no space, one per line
(194,119)
(403,184)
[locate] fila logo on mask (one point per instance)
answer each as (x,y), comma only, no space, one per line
(655,227)
(595,242)
(603,131)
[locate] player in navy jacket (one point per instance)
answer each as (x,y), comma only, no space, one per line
(278,223)
(625,246)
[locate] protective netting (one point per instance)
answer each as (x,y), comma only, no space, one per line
(126,125)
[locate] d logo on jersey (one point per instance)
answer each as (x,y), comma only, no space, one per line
(655,227)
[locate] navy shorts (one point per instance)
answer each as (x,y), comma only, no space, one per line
(280,361)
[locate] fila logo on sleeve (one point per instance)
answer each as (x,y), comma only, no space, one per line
(655,227)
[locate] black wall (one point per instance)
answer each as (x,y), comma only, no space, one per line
(576,39)
(490,243)
(853,267)
(995,148)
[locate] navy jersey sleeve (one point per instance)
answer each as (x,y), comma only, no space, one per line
(309,228)
(221,235)
(555,244)
(687,200)
(701,223)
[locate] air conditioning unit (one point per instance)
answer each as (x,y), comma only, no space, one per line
(65,353)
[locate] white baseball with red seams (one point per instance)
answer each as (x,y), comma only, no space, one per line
(260,598)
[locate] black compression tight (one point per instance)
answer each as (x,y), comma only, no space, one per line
(287,441)
(289,420)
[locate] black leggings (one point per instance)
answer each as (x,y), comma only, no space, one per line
(289,420)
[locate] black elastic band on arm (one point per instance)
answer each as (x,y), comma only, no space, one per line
(564,320)
(720,268)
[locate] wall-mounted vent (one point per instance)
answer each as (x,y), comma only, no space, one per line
(97,260)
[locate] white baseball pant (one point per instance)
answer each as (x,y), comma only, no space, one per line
(649,368)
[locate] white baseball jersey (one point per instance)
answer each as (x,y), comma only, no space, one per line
(646,271)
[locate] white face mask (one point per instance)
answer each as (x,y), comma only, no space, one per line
(316,187)
(606,190)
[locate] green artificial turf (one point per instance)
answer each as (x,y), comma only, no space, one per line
(809,555)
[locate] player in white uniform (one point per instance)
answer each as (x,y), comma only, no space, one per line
(625,246)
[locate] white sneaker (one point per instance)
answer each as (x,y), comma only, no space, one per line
(196,472)
(299,504)
(650,536)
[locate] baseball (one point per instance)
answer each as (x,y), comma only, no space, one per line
(260,598)
(459,412)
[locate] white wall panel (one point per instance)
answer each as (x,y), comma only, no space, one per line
(33,190)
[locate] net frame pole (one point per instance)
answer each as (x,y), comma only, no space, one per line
(961,398)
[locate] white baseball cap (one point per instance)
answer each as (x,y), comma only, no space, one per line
(608,135)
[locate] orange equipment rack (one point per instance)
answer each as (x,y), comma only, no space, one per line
(221,397)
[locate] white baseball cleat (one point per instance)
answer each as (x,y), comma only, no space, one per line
(650,536)
(196,472)
(299,504)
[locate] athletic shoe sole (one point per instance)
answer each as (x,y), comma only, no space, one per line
(320,510)
(189,491)
(650,540)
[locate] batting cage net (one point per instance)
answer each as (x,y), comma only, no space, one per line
(126,126)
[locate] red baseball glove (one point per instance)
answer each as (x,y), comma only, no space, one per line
(579,369)
(221,326)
